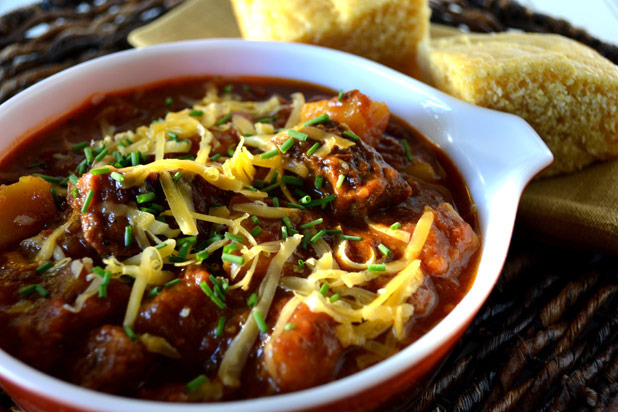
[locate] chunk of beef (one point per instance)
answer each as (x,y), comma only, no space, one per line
(306,355)
(113,362)
(185,316)
(39,331)
(103,223)
(369,182)
(450,245)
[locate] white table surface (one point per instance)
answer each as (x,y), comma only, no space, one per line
(598,17)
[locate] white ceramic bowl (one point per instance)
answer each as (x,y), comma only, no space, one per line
(496,153)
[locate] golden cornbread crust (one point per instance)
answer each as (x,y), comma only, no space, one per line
(387,31)
(566,91)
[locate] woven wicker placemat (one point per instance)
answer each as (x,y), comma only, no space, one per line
(547,338)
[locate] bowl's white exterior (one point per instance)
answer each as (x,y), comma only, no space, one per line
(496,153)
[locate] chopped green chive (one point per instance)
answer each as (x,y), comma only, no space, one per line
(298,135)
(177,176)
(201,256)
(406,148)
(56,198)
(177,259)
(301,263)
(274,178)
(376,267)
(273,186)
(259,183)
(154,292)
(284,232)
(145,197)
(312,223)
(28,290)
(255,220)
(196,383)
(215,299)
(173,282)
(186,157)
(324,289)
(101,155)
(256,231)
(227,88)
(220,326)
(184,250)
(50,179)
(75,192)
(334,298)
(232,247)
(340,95)
(322,201)
(79,146)
(235,238)
(73,179)
(385,251)
(395,226)
(41,290)
(172,136)
(169,101)
(158,208)
(287,145)
(128,235)
(352,238)
(252,301)
(290,326)
(288,223)
(129,332)
(260,322)
(238,260)
(44,267)
(269,119)
(275,201)
(35,165)
(296,205)
(340,180)
(334,231)
(270,154)
(223,119)
(305,200)
(230,152)
(313,148)
(351,135)
(88,200)
(117,177)
(101,171)
(316,120)
(196,113)
(292,180)
(319,179)
(134,158)
(107,277)
(252,189)
(215,157)
(318,236)
(161,245)
(306,239)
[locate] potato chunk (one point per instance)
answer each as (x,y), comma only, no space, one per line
(367,118)
(25,206)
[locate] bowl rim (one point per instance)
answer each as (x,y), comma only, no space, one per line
(63,392)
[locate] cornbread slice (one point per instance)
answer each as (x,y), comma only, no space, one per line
(387,31)
(566,91)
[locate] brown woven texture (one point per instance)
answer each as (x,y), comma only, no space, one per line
(547,338)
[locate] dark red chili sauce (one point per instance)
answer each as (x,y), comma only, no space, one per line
(386,182)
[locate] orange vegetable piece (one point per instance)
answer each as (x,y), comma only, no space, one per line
(25,206)
(365,117)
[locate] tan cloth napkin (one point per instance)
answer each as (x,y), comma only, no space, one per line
(579,210)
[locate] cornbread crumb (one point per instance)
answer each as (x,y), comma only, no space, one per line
(566,91)
(387,31)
